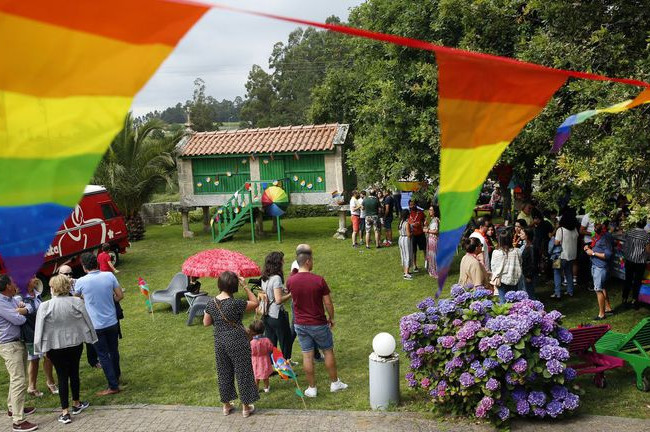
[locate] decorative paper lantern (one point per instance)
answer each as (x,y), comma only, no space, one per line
(309,185)
(236,210)
(384,344)
(275,182)
(228,174)
(199,184)
(216,182)
(244,160)
(275,201)
(266,161)
(302,183)
(319,179)
(247,186)
(295,178)
(220,211)
(264,185)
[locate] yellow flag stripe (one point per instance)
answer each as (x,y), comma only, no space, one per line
(465,169)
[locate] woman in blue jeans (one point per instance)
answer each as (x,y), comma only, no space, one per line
(566,250)
(600,252)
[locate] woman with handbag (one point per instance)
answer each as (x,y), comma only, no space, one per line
(506,266)
(231,343)
(62,327)
(566,239)
(276,318)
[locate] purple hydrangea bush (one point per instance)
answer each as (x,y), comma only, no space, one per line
(477,357)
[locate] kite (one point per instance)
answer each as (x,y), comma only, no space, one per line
(68,73)
(285,371)
(564,131)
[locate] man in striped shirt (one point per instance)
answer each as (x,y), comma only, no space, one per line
(637,244)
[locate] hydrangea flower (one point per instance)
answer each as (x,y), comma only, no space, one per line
(539,412)
(416,363)
(484,344)
(564,335)
(571,402)
(570,374)
(420,316)
(425,382)
(519,393)
(480,373)
(457,290)
(512,336)
(447,341)
(512,378)
(429,349)
(492,384)
(409,346)
(427,303)
(559,392)
(520,365)
(446,306)
(523,407)
(555,367)
(457,322)
(428,329)
(515,296)
(504,353)
(484,406)
(466,379)
(468,330)
(490,363)
(504,412)
(477,307)
(480,292)
(462,298)
(537,398)
(554,408)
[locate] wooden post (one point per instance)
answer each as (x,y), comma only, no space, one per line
(206,219)
(277,222)
(187,233)
(250,211)
(259,223)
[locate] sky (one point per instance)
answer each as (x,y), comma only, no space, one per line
(223,46)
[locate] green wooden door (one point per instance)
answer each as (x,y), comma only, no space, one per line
(271,169)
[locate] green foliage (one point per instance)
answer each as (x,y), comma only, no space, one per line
(136,164)
(201,112)
(305,211)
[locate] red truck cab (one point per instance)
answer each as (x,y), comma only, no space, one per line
(95,220)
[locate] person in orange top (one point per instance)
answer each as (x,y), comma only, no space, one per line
(418,239)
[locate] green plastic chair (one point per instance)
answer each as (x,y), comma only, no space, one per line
(633,347)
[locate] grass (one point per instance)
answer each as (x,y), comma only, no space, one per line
(166,362)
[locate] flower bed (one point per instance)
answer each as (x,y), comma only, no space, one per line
(476,357)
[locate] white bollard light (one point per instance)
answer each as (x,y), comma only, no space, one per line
(384,372)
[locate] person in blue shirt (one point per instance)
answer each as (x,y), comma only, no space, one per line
(600,253)
(100,291)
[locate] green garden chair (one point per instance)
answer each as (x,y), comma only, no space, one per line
(633,347)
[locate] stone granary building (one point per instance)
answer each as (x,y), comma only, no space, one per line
(307,161)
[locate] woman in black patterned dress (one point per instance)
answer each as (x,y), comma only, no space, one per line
(231,346)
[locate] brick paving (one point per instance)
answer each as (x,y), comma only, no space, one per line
(163,418)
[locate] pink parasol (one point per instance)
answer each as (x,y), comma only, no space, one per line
(213,262)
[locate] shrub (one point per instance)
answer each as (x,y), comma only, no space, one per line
(311,210)
(476,357)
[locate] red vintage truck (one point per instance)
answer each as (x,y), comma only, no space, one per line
(95,220)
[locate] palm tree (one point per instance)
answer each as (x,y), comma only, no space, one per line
(139,159)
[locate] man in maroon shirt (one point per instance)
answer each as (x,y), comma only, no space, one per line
(311,296)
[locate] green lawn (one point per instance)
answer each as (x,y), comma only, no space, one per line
(166,362)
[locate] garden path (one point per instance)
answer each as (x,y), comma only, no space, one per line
(161,418)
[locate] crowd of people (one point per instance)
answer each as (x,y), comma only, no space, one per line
(566,248)
(82,311)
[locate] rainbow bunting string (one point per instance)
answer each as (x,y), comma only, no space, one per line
(68,73)
(482,107)
(564,131)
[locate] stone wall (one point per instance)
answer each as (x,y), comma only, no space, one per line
(156,213)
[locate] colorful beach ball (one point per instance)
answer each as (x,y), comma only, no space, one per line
(275,201)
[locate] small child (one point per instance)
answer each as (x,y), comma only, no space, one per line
(261,349)
(104,259)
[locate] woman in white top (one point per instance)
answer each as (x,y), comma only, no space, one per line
(566,236)
(62,327)
(432,232)
(506,264)
(276,321)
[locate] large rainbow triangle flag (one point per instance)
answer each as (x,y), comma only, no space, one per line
(68,73)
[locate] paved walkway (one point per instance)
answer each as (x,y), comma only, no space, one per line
(162,418)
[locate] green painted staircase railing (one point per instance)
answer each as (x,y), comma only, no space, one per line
(238,210)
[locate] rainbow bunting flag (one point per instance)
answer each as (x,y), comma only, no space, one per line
(68,73)
(482,107)
(564,131)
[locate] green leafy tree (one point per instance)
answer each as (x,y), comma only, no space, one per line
(135,165)
(202,109)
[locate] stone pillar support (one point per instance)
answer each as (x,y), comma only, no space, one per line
(185,218)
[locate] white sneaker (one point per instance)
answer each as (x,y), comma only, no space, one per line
(338,385)
(267,389)
(311,392)
(408,276)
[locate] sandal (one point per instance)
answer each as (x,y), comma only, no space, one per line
(247,412)
(228,409)
(53,388)
(35,393)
